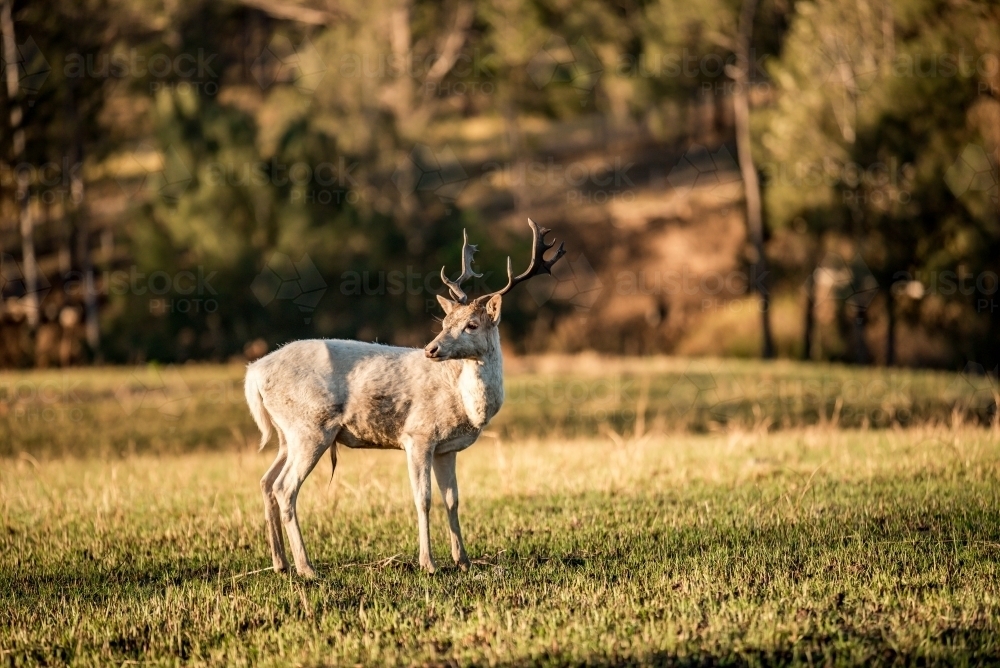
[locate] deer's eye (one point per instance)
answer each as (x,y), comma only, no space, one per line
(472,326)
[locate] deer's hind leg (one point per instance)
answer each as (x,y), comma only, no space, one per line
(274,538)
(305,447)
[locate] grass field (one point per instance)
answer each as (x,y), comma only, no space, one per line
(123,411)
(743,539)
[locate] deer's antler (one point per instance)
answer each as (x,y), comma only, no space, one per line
(539,265)
(468,250)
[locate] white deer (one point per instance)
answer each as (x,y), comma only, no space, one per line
(431,403)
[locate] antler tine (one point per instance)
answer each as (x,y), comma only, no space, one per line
(468,250)
(539,265)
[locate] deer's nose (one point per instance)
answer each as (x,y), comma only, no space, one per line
(432,350)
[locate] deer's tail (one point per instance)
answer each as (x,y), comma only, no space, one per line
(256,402)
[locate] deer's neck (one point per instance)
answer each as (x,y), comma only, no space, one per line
(480,384)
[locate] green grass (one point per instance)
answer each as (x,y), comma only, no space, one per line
(762,541)
(815,545)
(122,411)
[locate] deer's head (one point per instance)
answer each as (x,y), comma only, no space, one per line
(469,329)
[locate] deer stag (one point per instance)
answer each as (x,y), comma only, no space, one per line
(431,403)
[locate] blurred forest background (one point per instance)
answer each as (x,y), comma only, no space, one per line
(203,180)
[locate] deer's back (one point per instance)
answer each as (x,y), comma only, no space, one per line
(372,393)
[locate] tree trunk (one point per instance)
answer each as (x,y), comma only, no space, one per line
(512,130)
(28,254)
(860,347)
(751,182)
(92,328)
(890,330)
(810,319)
(65,249)
(91,323)
(27,226)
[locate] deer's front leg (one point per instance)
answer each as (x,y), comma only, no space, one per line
(444,471)
(418,457)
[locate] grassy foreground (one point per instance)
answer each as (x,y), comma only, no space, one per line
(801,546)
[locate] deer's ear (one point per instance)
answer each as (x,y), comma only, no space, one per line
(446,304)
(493,308)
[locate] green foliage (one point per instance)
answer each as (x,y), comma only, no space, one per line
(221,136)
(876,104)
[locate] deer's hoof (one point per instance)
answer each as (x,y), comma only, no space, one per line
(428,565)
(463,564)
(308,573)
